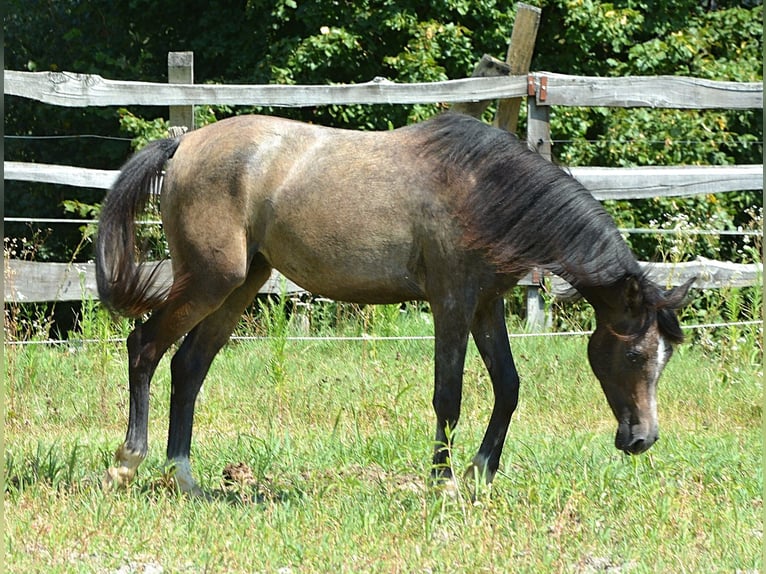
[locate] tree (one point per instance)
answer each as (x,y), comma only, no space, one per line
(653,38)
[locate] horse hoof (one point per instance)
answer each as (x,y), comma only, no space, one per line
(446,486)
(478,472)
(179,470)
(450,488)
(116,477)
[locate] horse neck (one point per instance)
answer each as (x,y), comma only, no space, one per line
(597,267)
(580,242)
(604,299)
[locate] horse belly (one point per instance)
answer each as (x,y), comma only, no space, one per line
(346,265)
(355,279)
(344,220)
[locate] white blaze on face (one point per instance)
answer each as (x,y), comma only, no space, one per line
(659,363)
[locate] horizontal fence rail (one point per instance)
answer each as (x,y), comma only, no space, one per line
(677,92)
(35,282)
(602,182)
(79,90)
(667,181)
(82,90)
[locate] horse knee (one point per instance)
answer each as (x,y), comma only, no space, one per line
(447,407)
(510,399)
(507,392)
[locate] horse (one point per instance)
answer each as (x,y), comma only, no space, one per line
(450,211)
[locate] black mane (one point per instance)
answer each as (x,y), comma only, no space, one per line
(524,212)
(520,212)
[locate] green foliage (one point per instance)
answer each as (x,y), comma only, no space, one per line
(143,130)
(639,38)
(275,321)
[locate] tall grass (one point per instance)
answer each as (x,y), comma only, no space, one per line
(322,465)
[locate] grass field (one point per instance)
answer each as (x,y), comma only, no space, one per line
(332,442)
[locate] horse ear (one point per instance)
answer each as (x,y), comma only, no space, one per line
(679,296)
(634,296)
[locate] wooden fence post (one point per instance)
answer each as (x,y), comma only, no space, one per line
(539,140)
(487,67)
(519,58)
(181,71)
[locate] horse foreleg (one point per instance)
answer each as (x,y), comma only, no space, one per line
(451,339)
(491,338)
(190,366)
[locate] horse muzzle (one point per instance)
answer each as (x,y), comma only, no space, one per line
(633,439)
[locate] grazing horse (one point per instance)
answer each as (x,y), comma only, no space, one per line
(450,211)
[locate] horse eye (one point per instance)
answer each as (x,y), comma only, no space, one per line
(635,357)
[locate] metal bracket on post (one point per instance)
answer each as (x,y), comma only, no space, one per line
(542,92)
(531,86)
(537,86)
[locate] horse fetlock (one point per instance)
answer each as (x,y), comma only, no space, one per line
(128,458)
(446,486)
(117,477)
(124,471)
(478,471)
(179,470)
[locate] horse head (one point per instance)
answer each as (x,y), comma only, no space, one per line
(633,341)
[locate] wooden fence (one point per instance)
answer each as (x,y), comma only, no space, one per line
(31,282)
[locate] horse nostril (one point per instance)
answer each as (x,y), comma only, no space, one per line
(634,443)
(637,446)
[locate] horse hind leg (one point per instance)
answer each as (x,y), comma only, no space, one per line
(491,338)
(190,365)
(147,343)
(190,302)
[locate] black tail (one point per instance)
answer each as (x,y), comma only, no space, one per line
(124,286)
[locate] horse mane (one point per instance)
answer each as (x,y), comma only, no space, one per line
(520,212)
(664,304)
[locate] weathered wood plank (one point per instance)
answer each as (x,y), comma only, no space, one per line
(31,282)
(487,67)
(79,90)
(181,71)
(34,282)
(61,174)
(538,139)
(519,58)
(648,91)
(676,181)
(710,274)
(603,182)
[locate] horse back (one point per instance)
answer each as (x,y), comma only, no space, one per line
(356,216)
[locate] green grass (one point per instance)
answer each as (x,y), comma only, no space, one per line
(338,441)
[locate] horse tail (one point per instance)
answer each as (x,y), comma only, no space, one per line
(124,285)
